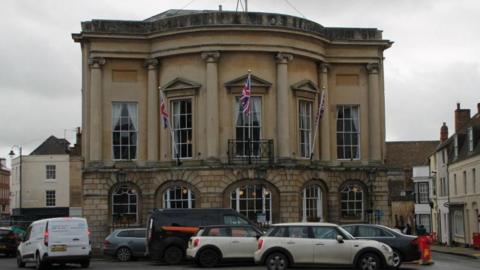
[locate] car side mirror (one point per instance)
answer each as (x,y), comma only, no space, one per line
(339,239)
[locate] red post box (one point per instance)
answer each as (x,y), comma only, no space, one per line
(476,240)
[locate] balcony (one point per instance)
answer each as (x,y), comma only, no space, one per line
(250,152)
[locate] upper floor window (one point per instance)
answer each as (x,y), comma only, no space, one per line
(178,197)
(422,192)
(50,172)
(470,139)
(124,130)
(248,128)
(455,184)
(50,198)
(348,132)
(305,127)
(182,128)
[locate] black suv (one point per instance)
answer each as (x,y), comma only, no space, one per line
(8,242)
(168,230)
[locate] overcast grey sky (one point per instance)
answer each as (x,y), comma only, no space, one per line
(434,62)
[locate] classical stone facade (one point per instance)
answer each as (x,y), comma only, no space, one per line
(268,164)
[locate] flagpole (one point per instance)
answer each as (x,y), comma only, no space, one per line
(172,133)
(321,104)
(250,119)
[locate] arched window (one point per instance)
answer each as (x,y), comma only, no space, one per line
(312,203)
(178,196)
(254,201)
(125,205)
(352,197)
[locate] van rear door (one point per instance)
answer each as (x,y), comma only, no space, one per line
(68,237)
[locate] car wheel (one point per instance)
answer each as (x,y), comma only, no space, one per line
(85,264)
(173,255)
(276,261)
(20,262)
(39,264)
(369,261)
(397,259)
(124,254)
(208,258)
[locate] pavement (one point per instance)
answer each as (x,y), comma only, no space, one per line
(460,251)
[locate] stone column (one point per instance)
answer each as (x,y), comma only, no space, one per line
(153,116)
(95,126)
(283,115)
(325,121)
(211,85)
(374,112)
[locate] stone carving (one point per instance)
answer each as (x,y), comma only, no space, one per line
(96,62)
(283,58)
(151,63)
(373,68)
(211,57)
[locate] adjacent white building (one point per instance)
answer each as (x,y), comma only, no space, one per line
(423,196)
(40,182)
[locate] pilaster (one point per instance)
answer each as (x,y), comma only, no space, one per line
(283,110)
(211,85)
(374,112)
(95,109)
(153,116)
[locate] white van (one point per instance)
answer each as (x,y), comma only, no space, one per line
(55,240)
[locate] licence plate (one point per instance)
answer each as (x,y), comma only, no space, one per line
(59,248)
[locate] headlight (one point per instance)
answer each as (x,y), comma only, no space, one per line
(387,248)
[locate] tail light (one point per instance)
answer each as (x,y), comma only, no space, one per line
(89,236)
(150,229)
(260,244)
(196,241)
(106,244)
(45,236)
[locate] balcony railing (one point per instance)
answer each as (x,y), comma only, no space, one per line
(250,152)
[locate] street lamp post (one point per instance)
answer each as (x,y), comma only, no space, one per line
(11,155)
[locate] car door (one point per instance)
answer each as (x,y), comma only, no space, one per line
(328,250)
(221,238)
(25,248)
(298,242)
(245,240)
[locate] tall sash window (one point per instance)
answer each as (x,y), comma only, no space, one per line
(124,130)
(348,132)
(182,128)
(305,127)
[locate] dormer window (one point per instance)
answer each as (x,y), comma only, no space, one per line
(470,139)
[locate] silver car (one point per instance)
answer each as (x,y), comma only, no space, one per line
(125,244)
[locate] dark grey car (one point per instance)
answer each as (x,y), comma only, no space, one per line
(125,244)
(405,247)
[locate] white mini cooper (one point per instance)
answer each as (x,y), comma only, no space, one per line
(321,244)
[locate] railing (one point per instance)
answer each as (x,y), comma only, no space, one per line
(250,152)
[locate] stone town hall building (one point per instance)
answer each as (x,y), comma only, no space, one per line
(200,61)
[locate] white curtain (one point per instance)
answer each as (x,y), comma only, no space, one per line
(116,112)
(132,113)
(355,117)
(256,103)
(356,128)
(176,119)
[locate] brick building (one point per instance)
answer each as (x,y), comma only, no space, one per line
(4,189)
(200,61)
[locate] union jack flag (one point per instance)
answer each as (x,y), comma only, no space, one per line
(246,92)
(163,111)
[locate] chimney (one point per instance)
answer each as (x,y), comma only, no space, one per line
(443,132)
(478,108)
(462,116)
